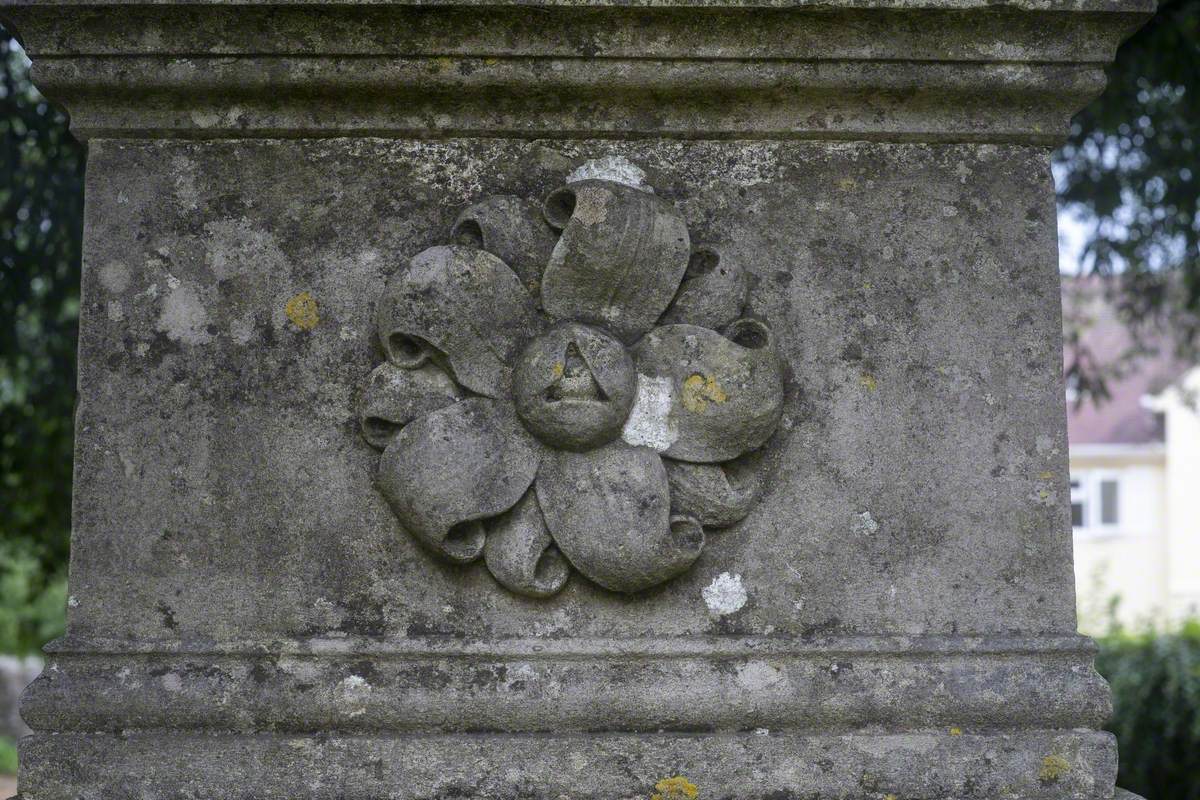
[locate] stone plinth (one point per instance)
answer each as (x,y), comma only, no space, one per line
(261,607)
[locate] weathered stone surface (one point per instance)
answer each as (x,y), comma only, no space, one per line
(461,307)
(251,617)
(715,494)
(192,373)
(449,470)
(950,70)
(514,230)
(609,511)
(395,396)
(621,256)
(761,765)
(520,553)
(264,527)
(574,386)
(726,392)
(713,292)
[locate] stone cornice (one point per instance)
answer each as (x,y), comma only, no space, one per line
(658,684)
(945,71)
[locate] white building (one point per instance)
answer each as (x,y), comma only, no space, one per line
(1135,481)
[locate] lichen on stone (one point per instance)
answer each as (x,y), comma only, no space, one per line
(675,788)
(303,311)
(1053,767)
(699,391)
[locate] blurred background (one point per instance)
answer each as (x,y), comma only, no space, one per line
(1129,218)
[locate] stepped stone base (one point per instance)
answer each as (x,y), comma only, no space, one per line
(754,765)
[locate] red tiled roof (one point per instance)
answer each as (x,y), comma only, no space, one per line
(1120,419)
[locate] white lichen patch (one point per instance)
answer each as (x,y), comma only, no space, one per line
(114,277)
(354,691)
(238,247)
(612,168)
(242,329)
(649,423)
(1045,445)
(725,595)
(183,317)
(757,676)
(864,524)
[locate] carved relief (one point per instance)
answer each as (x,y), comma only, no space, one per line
(572,388)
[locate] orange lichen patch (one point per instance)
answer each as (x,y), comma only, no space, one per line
(302,310)
(1053,768)
(699,391)
(675,788)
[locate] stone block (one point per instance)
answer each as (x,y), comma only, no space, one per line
(787,519)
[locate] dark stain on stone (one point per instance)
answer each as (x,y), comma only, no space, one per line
(852,352)
(423,626)
(820,628)
(260,673)
(168,616)
(365,668)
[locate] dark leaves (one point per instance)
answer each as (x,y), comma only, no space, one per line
(41,198)
(1133,161)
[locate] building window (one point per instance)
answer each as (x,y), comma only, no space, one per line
(1109,502)
(1095,503)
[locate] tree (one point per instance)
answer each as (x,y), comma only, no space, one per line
(41,198)
(1131,163)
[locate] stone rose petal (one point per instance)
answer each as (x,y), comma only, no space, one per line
(716,396)
(619,260)
(609,512)
(395,396)
(573,386)
(716,495)
(713,292)
(463,305)
(449,469)
(520,553)
(512,229)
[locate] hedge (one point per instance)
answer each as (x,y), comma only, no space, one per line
(1155,679)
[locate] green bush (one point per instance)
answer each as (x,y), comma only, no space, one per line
(1155,680)
(41,195)
(32,603)
(8,756)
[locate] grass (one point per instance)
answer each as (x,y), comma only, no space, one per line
(8,756)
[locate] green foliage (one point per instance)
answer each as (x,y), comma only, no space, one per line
(41,194)
(1133,163)
(1155,680)
(8,756)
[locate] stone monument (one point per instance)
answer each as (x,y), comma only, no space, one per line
(570,399)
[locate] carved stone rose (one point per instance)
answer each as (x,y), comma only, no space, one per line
(531,412)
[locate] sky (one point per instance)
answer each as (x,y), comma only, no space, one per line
(1073,232)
